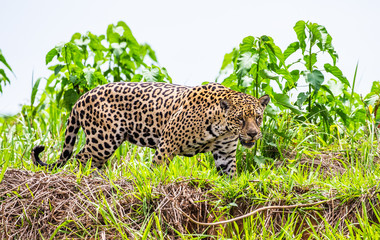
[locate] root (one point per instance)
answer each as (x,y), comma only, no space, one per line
(253,212)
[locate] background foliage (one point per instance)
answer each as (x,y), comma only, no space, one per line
(306,86)
(304,83)
(320,140)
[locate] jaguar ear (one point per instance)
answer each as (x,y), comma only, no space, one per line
(264,100)
(225,104)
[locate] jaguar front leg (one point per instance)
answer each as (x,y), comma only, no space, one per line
(225,157)
(164,154)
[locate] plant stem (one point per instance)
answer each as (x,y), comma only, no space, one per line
(310,69)
(309,98)
(257,73)
(67,64)
(353,85)
(257,86)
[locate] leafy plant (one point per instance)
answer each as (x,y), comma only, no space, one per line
(89,60)
(320,99)
(257,64)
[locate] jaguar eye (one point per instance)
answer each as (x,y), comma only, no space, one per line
(241,120)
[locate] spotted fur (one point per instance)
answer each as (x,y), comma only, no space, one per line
(173,119)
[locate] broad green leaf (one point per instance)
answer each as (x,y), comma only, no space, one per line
(310,60)
(376,87)
(265,38)
(284,101)
(272,61)
(315,33)
(271,111)
(334,70)
(127,63)
(246,81)
(360,115)
(320,109)
(74,79)
(137,78)
(324,38)
(265,73)
(343,116)
(336,88)
(291,80)
(371,98)
(245,62)
(82,42)
(118,48)
(299,28)
(127,33)
(119,30)
(50,55)
(228,57)
(333,55)
(275,50)
(76,54)
(315,78)
(89,76)
(69,98)
(328,89)
(95,43)
(230,81)
(131,40)
(151,52)
(301,98)
(295,75)
(292,48)
(112,37)
(67,53)
(65,81)
(151,75)
(167,76)
(267,88)
(263,59)
(58,68)
(2,59)
(76,36)
(247,44)
(100,79)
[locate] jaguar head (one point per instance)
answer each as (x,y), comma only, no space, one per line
(244,116)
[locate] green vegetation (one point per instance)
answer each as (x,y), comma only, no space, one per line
(321,144)
(3,76)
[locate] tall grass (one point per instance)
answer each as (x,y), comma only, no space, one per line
(282,176)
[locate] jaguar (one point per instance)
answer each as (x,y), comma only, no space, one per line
(172,119)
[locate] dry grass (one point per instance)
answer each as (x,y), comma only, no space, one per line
(35,204)
(40,205)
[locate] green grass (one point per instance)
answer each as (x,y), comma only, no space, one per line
(280,177)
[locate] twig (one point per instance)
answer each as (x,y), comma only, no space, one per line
(253,212)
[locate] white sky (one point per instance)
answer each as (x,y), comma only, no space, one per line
(190,38)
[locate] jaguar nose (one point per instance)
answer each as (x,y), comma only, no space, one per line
(252,134)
